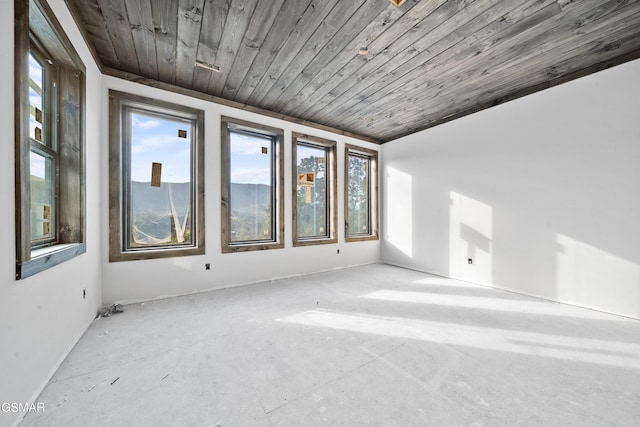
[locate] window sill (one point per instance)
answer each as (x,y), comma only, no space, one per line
(246,247)
(315,241)
(361,238)
(45,258)
(153,253)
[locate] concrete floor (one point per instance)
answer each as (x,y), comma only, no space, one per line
(374,345)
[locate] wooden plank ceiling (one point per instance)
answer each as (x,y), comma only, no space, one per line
(364,67)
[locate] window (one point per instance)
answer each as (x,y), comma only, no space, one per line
(252,186)
(314,191)
(156,179)
(361,194)
(43,156)
(49,94)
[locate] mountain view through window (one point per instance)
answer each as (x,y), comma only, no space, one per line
(160,179)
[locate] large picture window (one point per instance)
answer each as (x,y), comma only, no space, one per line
(50,111)
(252,186)
(314,190)
(156,181)
(361,194)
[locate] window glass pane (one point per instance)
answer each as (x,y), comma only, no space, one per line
(160,206)
(312,191)
(358,195)
(251,189)
(42,198)
(36,98)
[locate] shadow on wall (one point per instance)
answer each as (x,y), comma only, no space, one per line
(511,246)
(470,234)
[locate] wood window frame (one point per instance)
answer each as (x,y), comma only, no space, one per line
(229,124)
(331,194)
(36,25)
(119,103)
(373,208)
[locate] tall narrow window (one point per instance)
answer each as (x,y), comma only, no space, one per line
(314,191)
(252,202)
(43,158)
(361,194)
(156,181)
(49,93)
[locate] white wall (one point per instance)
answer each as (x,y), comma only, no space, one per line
(130,281)
(542,192)
(42,317)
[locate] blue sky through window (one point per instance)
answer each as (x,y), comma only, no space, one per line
(249,165)
(155,139)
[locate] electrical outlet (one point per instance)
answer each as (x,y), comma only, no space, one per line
(470,260)
(207,266)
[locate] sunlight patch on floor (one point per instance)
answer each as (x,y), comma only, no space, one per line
(612,353)
(546,308)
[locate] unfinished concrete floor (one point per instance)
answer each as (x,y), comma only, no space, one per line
(374,345)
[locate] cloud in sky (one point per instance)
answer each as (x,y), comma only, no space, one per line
(152,142)
(35,70)
(251,176)
(248,145)
(147,124)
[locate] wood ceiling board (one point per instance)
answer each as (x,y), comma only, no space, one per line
(285,22)
(315,16)
(578,50)
(107,53)
(571,61)
(94,31)
(436,118)
(514,58)
(143,32)
(114,14)
(324,47)
(427,62)
(433,53)
(235,26)
(427,71)
(388,25)
(165,21)
(444,71)
(189,24)
(391,43)
(382,70)
(361,30)
(261,23)
(486,96)
(213,20)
